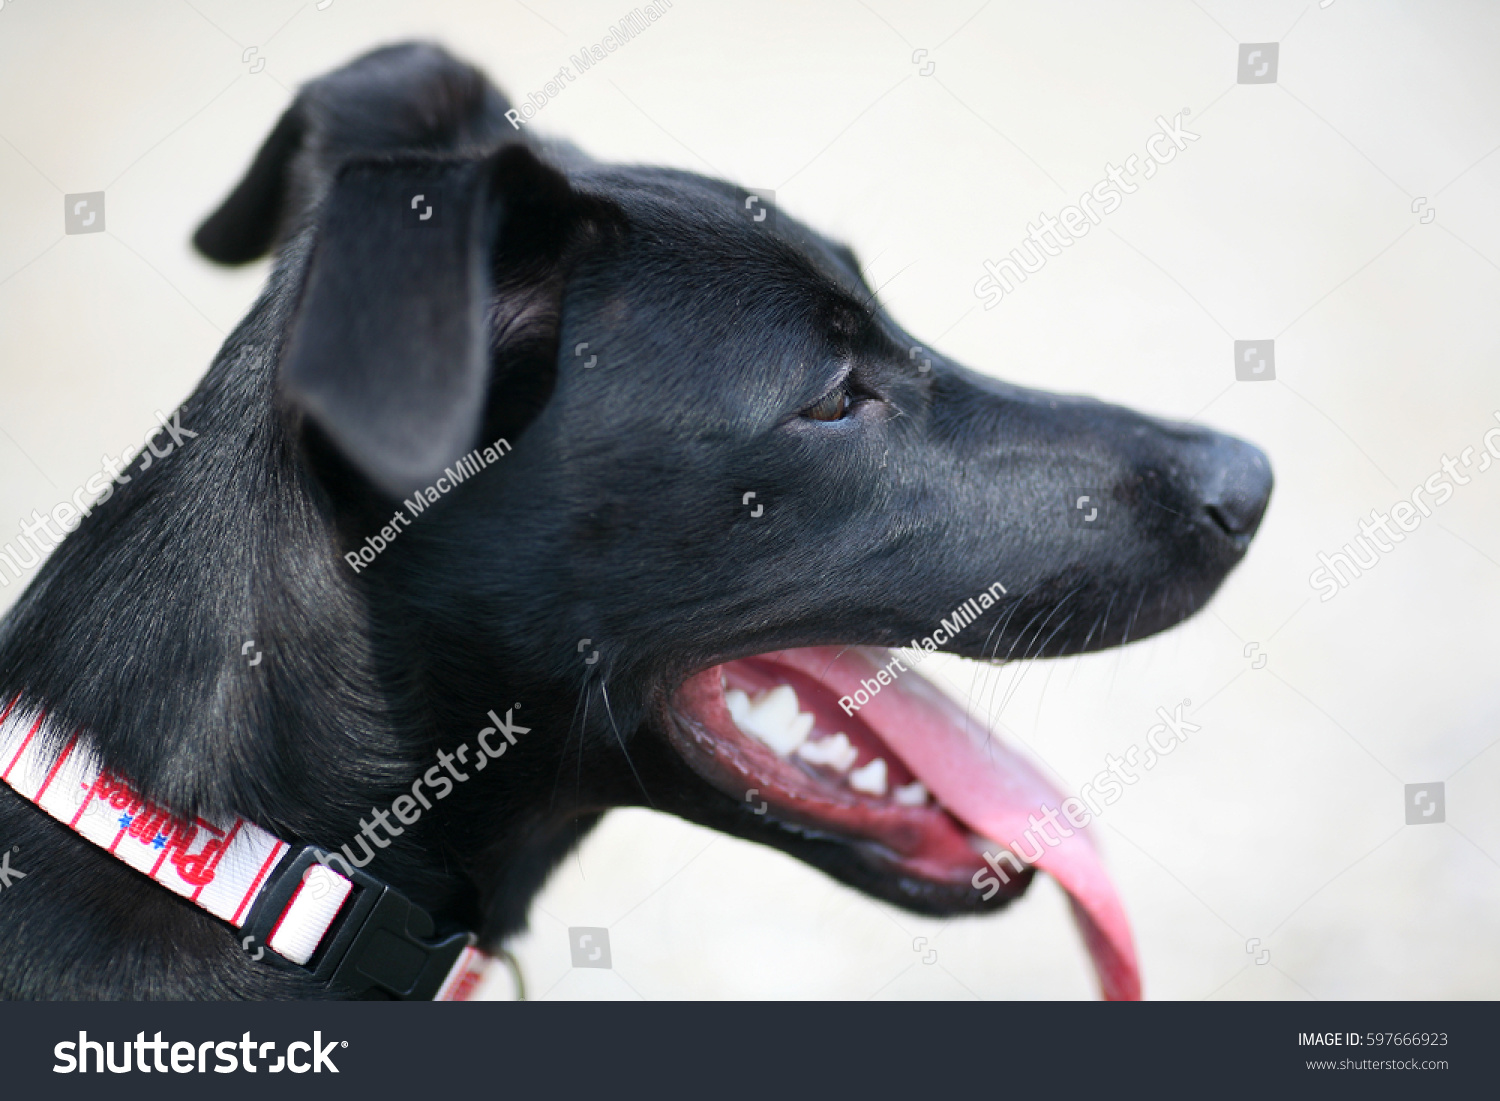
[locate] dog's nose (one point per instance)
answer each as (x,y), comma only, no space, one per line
(1236,486)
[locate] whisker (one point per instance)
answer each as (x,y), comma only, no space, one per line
(1055,608)
(581,701)
(578,778)
(1128,626)
(990,713)
(1104,627)
(984,669)
(1078,657)
(604,692)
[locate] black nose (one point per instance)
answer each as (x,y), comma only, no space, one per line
(1235,486)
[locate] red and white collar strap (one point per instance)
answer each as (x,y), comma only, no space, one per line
(353,933)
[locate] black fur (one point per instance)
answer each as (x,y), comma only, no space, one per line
(380,353)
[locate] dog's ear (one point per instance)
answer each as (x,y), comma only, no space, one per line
(411,97)
(247,223)
(389,353)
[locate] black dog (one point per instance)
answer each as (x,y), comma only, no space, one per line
(697,446)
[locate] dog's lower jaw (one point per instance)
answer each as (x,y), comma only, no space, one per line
(915,857)
(926,853)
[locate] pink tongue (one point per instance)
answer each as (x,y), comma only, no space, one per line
(991,789)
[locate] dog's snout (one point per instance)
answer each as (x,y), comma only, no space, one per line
(1235,487)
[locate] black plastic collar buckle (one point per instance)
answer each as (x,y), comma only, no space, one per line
(378,943)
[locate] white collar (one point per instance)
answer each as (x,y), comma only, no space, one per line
(235,870)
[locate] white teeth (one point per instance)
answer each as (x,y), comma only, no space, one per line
(772,718)
(833,751)
(777,705)
(797,733)
(738,704)
(913,794)
(870,779)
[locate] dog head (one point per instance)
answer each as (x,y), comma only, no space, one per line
(728,480)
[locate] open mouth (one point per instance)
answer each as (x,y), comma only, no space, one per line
(853,743)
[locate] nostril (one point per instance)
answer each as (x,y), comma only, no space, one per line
(1235,487)
(1240,501)
(1229,521)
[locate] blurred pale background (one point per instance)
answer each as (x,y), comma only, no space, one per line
(1303,214)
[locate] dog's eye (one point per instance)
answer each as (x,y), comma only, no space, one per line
(833,406)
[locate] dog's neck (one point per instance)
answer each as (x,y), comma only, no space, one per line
(203,631)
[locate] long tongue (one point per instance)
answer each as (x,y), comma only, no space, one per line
(993,790)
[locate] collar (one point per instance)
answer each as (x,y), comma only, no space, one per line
(354,935)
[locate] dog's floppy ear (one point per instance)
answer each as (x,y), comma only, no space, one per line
(247,223)
(413,97)
(389,352)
